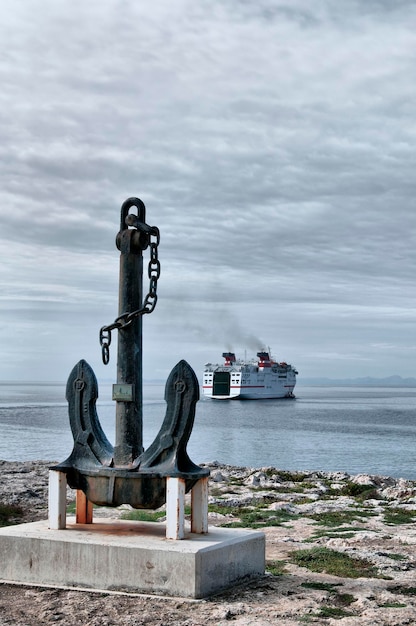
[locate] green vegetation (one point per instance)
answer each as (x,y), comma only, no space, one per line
(233,480)
(10,514)
(143,515)
(260,518)
(336,533)
(394,556)
(399,516)
(392,605)
(343,599)
(406,591)
(294,477)
(275,568)
(335,563)
(257,516)
(223,509)
(338,518)
(360,492)
(338,600)
(334,612)
(321,586)
(298,488)
(70,508)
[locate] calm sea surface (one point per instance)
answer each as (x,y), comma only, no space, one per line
(355,429)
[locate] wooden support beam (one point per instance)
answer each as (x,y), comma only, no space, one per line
(83,508)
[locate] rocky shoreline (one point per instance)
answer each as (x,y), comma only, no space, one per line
(368,520)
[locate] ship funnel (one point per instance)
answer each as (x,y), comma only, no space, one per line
(264,359)
(229,358)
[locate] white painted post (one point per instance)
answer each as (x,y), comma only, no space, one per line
(199,506)
(175,508)
(57,500)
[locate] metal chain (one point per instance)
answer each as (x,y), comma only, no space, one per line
(149,302)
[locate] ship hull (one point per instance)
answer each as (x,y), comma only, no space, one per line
(253,396)
(241,380)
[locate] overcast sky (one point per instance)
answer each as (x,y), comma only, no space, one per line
(273,143)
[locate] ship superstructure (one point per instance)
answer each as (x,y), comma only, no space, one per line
(255,379)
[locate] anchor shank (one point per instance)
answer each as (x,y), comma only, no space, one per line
(129,412)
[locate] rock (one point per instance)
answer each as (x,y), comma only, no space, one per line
(341,503)
(362,479)
(282,506)
(218,477)
(336,486)
(338,476)
(401,489)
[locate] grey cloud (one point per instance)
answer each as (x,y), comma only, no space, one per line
(273,144)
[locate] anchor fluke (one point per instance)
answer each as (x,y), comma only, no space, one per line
(91,446)
(168,452)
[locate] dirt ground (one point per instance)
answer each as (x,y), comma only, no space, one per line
(269,600)
(281,599)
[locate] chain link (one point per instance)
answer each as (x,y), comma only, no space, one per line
(149,303)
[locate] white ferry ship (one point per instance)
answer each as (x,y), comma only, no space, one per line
(257,379)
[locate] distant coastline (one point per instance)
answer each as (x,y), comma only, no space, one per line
(366,381)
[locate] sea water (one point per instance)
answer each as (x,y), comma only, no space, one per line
(351,429)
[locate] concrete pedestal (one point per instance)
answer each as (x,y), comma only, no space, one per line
(130,556)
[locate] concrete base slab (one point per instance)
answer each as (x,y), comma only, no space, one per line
(130,556)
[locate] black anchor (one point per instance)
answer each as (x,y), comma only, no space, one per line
(126,473)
